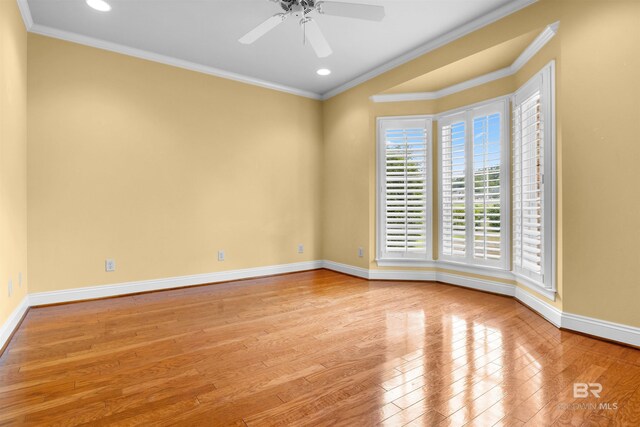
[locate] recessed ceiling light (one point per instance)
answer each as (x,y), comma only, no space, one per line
(100,5)
(323,71)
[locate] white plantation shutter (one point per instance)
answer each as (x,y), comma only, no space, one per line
(532,183)
(405,180)
(527,187)
(487,191)
(453,190)
(474,188)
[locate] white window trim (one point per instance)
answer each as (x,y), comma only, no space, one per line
(550,194)
(545,80)
(527,282)
(406,262)
(481,270)
(467,114)
(473,106)
(385,261)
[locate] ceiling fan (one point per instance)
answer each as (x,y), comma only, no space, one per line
(302,8)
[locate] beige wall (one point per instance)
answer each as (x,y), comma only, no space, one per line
(13,157)
(598,111)
(160,167)
(600,94)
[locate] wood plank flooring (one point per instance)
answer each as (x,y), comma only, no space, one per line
(313,348)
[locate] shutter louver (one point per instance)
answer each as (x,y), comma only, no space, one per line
(405,187)
(487,197)
(453,189)
(528,185)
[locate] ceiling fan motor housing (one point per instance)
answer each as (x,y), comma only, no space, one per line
(299,8)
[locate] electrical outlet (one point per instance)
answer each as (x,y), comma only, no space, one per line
(220,255)
(300,248)
(20,279)
(110,265)
(10,287)
(360,252)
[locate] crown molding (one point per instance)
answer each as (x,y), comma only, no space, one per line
(26,14)
(426,96)
(530,51)
(163,59)
(434,44)
(44,30)
(442,40)
(536,45)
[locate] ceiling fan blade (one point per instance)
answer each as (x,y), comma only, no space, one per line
(263,28)
(316,38)
(352,10)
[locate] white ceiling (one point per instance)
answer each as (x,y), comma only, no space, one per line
(205,32)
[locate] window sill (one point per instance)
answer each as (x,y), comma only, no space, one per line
(405,262)
(481,270)
(534,286)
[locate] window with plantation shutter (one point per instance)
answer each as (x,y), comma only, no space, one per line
(404,180)
(453,191)
(533,206)
(474,187)
(487,189)
(527,187)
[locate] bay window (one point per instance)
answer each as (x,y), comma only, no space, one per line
(496,199)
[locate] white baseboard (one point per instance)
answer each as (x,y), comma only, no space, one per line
(588,325)
(422,275)
(93,292)
(599,328)
(13,320)
(346,269)
(543,308)
(602,328)
(475,283)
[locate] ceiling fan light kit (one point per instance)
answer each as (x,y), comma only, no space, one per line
(301,9)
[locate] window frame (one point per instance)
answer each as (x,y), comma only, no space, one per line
(543,81)
(468,114)
(383,258)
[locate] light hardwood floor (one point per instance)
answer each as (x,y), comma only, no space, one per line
(312,348)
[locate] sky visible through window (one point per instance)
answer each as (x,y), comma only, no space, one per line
(486,136)
(486,171)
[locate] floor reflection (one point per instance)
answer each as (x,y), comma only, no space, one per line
(313,348)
